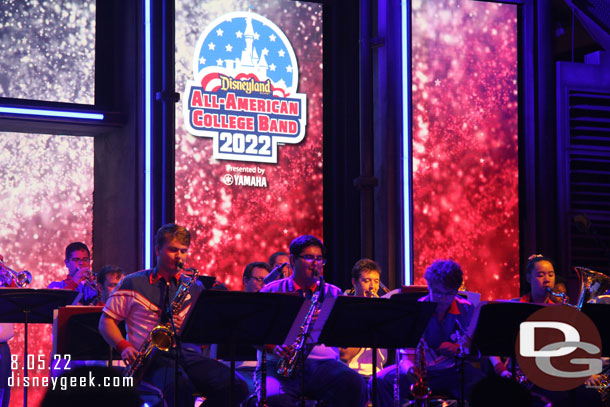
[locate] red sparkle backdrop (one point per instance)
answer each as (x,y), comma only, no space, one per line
(234,225)
(465,162)
(46,200)
(46,182)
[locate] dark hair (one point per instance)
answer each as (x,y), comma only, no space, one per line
(108,269)
(446,272)
(251,266)
(364,265)
(535,258)
(74,246)
(302,242)
(170,231)
(274,256)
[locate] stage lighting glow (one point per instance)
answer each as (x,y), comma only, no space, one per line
(406,141)
(147,137)
(30,111)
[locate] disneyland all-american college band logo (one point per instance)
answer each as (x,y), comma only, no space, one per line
(244,93)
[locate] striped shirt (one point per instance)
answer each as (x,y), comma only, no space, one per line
(138,300)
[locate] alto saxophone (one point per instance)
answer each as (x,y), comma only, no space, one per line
(300,349)
(420,389)
(161,337)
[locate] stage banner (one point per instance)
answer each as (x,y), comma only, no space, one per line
(248,130)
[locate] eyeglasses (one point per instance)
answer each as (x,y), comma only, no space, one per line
(310,258)
(77,259)
(258,279)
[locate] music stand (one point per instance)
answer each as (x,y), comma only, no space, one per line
(495,325)
(31,306)
(75,331)
(599,315)
(234,317)
(376,323)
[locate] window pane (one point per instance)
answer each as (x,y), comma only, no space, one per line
(46,200)
(246,189)
(47,50)
(465,133)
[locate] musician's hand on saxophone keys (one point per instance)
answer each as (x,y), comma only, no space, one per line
(129,354)
(283,351)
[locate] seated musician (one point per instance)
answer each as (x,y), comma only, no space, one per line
(108,278)
(254,275)
(443,340)
(144,301)
(78,263)
(279,263)
(365,281)
(325,377)
(540,274)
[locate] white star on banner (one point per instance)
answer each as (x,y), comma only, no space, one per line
(211,46)
(281,52)
(256,36)
(219,62)
(229,48)
(289,68)
(272,38)
(272,67)
(202,61)
(239,34)
(219,32)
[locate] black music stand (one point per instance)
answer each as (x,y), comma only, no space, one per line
(599,314)
(495,326)
(376,323)
(31,306)
(234,317)
(79,334)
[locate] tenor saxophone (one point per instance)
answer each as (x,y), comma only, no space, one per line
(300,349)
(161,337)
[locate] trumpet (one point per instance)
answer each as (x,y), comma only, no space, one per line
(8,276)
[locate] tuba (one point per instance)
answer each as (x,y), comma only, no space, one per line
(592,285)
(162,336)
(300,349)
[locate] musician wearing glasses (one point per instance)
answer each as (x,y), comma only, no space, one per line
(325,377)
(80,278)
(147,302)
(444,341)
(254,276)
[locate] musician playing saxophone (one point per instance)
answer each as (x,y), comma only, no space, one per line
(444,340)
(142,300)
(326,378)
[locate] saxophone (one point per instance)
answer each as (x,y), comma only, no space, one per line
(420,389)
(161,337)
(300,349)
